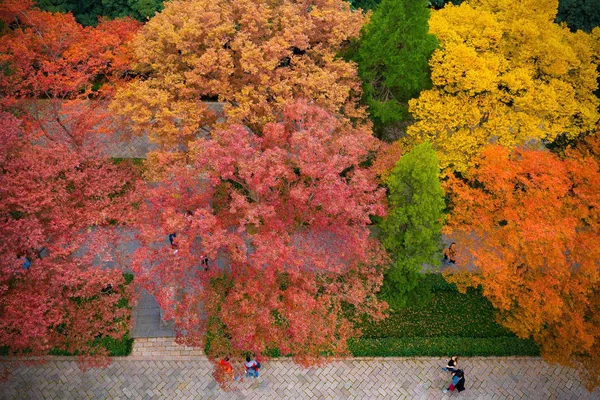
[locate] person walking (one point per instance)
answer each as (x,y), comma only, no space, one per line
(458,381)
(26,262)
(450,253)
(452,364)
(172,237)
(252,367)
(227,369)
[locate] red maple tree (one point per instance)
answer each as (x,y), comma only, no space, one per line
(52,56)
(55,200)
(58,190)
(282,216)
(58,76)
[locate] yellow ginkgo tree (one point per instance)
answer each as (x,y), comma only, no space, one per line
(504,74)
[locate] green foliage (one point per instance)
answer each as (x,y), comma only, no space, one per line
(128,278)
(412,231)
(116,347)
(86,12)
(392,58)
(443,346)
(579,14)
(452,323)
(364,4)
(372,4)
(135,162)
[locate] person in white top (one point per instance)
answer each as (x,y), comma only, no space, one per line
(252,367)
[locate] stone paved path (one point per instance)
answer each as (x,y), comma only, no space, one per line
(171,377)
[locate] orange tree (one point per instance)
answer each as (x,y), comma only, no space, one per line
(254,55)
(528,224)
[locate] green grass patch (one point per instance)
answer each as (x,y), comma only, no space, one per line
(116,347)
(450,323)
(139,162)
(442,347)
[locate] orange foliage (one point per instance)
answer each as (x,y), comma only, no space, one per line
(255,56)
(51,55)
(529,224)
(387,157)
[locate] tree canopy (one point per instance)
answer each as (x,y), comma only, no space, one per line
(411,233)
(253,55)
(528,223)
(505,74)
(51,194)
(282,215)
(59,192)
(392,58)
(47,55)
(579,14)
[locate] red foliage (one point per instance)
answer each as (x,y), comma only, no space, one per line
(51,55)
(283,216)
(387,157)
(52,195)
(9,9)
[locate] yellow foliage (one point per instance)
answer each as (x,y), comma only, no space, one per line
(505,74)
(253,55)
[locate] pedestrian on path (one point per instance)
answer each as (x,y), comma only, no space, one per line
(26,262)
(450,253)
(452,364)
(458,381)
(172,237)
(204,262)
(252,367)
(227,369)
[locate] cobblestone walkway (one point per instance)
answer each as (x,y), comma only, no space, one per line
(160,370)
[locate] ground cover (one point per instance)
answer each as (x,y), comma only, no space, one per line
(449,323)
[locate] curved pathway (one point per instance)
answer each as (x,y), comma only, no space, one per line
(159,369)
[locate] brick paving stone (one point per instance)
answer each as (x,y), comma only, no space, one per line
(170,377)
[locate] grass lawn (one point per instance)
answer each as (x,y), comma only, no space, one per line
(451,323)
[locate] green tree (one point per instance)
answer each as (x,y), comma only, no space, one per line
(393,58)
(579,14)
(364,4)
(372,4)
(86,12)
(412,231)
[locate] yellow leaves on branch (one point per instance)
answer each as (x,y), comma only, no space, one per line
(254,55)
(504,74)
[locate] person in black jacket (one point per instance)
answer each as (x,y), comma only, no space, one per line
(458,381)
(452,364)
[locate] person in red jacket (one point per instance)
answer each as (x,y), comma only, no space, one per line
(227,368)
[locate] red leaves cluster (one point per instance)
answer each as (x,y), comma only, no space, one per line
(51,55)
(57,189)
(51,195)
(283,216)
(530,224)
